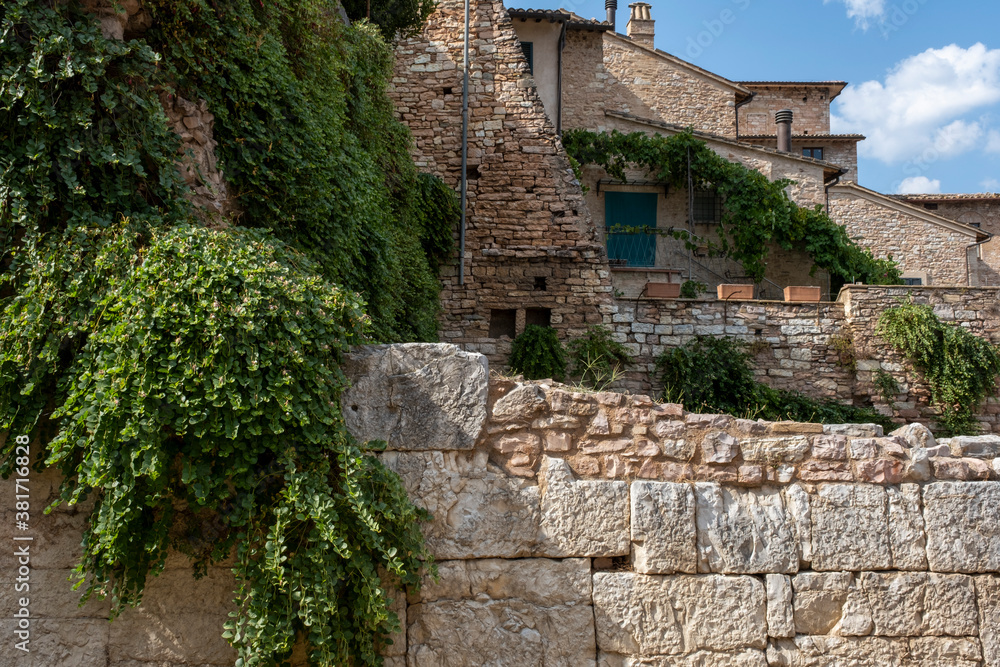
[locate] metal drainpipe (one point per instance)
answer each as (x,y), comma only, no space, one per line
(737,112)
(562,45)
(465,148)
(826,190)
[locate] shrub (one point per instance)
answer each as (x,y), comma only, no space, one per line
(597,358)
(537,354)
(692,288)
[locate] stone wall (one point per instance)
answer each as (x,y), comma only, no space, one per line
(810,105)
(980,210)
(577,529)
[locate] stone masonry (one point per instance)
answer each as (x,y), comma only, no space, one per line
(575,529)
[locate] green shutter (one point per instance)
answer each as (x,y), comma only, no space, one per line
(631,209)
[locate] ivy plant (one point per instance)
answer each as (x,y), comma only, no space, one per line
(960,368)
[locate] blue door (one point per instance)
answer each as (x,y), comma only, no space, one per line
(631,209)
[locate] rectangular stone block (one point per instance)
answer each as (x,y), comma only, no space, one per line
(907,539)
(830,603)
(789,449)
(581,518)
(748,658)
(988,599)
(810,651)
(919,604)
(651,615)
(780,616)
(744,531)
(664,538)
(963,526)
(61,642)
(850,528)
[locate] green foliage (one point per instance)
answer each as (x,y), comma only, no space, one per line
(186,379)
(846,356)
(308,138)
(887,386)
(716,375)
(393,17)
(537,354)
(596,356)
(757,213)
(692,289)
(960,368)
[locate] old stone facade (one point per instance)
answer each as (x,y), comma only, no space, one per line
(574,529)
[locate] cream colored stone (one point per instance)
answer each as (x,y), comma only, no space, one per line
(581,518)
(719,447)
(664,537)
(811,651)
(850,528)
(780,614)
(797,502)
(818,602)
(988,599)
(790,449)
(744,531)
(915,603)
(749,658)
(649,615)
(962,520)
(907,539)
(57,642)
(917,435)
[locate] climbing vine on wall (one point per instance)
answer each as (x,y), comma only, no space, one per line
(187,379)
(756,212)
(960,367)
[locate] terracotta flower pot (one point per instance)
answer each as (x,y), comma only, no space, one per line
(663,290)
(802,294)
(735,292)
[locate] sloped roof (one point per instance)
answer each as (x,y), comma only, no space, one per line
(573,21)
(838,86)
(806,137)
(979,196)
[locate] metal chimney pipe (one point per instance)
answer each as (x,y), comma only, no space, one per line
(783,119)
(611,6)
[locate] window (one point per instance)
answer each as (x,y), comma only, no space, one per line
(622,210)
(931,207)
(541,317)
(816,153)
(913,281)
(540,284)
(707,206)
(503,322)
(529,53)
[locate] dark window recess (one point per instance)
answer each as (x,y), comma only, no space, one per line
(931,207)
(472,172)
(503,322)
(540,285)
(447,90)
(529,53)
(541,317)
(707,206)
(975,224)
(816,153)
(913,281)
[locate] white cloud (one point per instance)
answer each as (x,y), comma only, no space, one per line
(863,11)
(990,185)
(921,109)
(993,142)
(919,185)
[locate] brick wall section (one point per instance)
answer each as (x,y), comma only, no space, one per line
(526,216)
(918,245)
(586,82)
(811,115)
(984,212)
(842,153)
(675,94)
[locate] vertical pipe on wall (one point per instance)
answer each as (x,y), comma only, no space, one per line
(465,148)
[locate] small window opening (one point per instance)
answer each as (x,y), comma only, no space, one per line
(448,90)
(707,206)
(529,54)
(541,317)
(540,284)
(503,322)
(816,153)
(931,207)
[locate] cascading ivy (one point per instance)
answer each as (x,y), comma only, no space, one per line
(188,379)
(756,212)
(960,367)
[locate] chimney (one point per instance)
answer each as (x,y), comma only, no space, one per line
(783,119)
(611,6)
(640,24)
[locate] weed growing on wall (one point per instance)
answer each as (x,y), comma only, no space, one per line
(960,367)
(756,211)
(537,354)
(596,357)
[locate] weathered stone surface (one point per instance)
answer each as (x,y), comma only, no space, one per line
(797,503)
(478,512)
(850,528)
(62,642)
(988,598)
(744,531)
(962,520)
(920,604)
(780,614)
(664,538)
(854,430)
(749,658)
(830,447)
(907,539)
(719,447)
(56,538)
(649,615)
(524,612)
(789,449)
(805,651)
(520,403)
(581,518)
(416,396)
(977,447)
(917,435)
(819,603)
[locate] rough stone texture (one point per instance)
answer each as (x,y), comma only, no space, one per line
(774,450)
(850,528)
(920,604)
(582,518)
(963,526)
(988,596)
(648,615)
(907,538)
(809,651)
(416,396)
(664,536)
(917,435)
(780,613)
(744,531)
(749,658)
(819,600)
(510,613)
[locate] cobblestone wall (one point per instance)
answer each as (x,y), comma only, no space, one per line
(577,529)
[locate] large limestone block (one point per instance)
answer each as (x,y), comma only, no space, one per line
(581,518)
(798,506)
(747,658)
(50,595)
(650,615)
(55,542)
(664,539)
(744,531)
(988,597)
(479,512)
(811,651)
(780,614)
(504,612)
(60,642)
(907,539)
(850,528)
(829,602)
(788,449)
(963,526)
(920,604)
(978,447)
(917,436)
(416,396)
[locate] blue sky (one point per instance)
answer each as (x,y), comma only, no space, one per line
(924,75)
